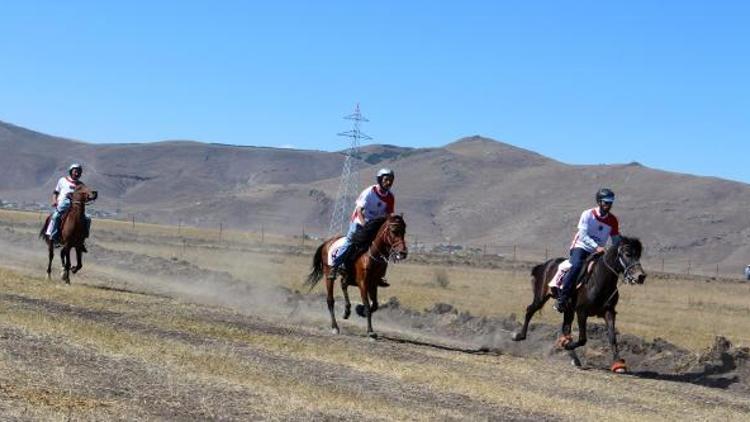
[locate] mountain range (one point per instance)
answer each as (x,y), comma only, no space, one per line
(474,191)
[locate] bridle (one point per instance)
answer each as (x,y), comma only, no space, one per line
(379,255)
(627,276)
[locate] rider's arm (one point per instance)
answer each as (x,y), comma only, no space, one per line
(54,197)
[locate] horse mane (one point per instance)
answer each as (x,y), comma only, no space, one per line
(634,243)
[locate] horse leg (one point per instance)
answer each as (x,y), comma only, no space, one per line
(536,305)
(65,256)
(565,336)
(582,317)
(366,310)
(330,301)
(51,253)
(618,364)
(347,304)
(79,260)
(374,297)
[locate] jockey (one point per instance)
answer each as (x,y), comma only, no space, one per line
(595,227)
(374,202)
(61,198)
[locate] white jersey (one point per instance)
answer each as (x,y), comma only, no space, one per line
(374,204)
(594,230)
(65,187)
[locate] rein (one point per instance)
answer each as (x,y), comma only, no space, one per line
(625,269)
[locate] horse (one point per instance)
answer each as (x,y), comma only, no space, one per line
(379,241)
(72,232)
(597,296)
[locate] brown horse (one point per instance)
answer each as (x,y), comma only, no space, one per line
(379,241)
(597,296)
(72,231)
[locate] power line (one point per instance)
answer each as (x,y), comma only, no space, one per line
(349,183)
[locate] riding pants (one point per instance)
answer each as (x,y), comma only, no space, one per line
(341,253)
(577,258)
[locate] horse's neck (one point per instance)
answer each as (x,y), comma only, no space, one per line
(379,244)
(609,269)
(77,208)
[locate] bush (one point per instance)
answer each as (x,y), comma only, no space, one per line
(441,278)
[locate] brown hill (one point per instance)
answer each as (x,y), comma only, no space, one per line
(473,191)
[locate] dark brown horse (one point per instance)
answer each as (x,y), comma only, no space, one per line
(597,296)
(379,241)
(72,231)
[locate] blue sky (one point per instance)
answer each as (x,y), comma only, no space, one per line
(663,83)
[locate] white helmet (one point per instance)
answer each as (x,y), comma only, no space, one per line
(384,172)
(73,167)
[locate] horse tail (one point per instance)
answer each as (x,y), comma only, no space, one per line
(43,231)
(317,267)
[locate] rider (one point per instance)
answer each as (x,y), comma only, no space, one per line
(61,200)
(375,201)
(595,226)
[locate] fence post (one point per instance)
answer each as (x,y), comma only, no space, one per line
(221,228)
(133,219)
(303,235)
(689,264)
(262,234)
(662,265)
(179,227)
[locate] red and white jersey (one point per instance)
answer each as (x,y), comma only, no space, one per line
(374,204)
(65,186)
(594,230)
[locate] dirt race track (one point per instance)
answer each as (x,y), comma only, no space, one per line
(143,337)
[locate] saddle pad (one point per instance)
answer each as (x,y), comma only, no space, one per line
(563,268)
(333,250)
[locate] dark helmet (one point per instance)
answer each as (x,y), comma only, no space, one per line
(384,172)
(606,195)
(73,167)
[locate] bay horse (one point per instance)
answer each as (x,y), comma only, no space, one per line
(72,231)
(377,242)
(597,296)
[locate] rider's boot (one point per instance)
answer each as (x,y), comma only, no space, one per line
(561,304)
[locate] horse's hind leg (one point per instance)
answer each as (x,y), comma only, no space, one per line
(330,301)
(536,305)
(79,261)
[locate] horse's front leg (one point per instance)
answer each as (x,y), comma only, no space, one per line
(51,253)
(79,260)
(330,301)
(363,291)
(373,293)
(347,303)
(65,257)
(618,364)
(582,317)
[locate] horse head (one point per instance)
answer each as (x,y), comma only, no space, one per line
(83,194)
(394,233)
(629,257)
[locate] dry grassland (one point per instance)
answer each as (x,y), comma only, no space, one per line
(89,351)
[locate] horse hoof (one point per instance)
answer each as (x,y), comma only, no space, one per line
(334,331)
(575,362)
(619,367)
(347,313)
(563,342)
(373,336)
(517,337)
(360,310)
